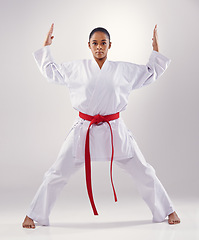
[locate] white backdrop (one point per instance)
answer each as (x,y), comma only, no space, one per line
(36,115)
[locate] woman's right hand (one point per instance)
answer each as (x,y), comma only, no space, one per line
(49,37)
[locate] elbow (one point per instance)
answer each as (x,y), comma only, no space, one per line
(150,80)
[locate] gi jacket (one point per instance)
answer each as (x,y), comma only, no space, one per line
(100,91)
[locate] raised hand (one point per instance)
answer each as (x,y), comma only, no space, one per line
(49,36)
(155,39)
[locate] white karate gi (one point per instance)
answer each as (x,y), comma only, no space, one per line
(100,91)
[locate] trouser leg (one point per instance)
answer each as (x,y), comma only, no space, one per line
(148,185)
(54,180)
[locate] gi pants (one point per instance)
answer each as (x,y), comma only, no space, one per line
(143,174)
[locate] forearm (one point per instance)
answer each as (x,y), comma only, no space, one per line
(146,74)
(52,71)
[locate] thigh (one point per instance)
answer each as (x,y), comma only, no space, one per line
(137,166)
(65,164)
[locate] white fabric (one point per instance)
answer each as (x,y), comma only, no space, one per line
(147,183)
(101,91)
(94,91)
(54,180)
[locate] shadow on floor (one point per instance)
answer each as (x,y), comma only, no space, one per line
(101,225)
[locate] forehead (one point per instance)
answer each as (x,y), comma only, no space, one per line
(99,36)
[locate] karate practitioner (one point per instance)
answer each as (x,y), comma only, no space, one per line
(99,90)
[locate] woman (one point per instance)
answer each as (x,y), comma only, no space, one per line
(99,90)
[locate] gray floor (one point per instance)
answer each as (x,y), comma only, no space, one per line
(122,220)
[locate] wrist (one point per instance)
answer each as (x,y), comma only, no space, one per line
(46,44)
(156,49)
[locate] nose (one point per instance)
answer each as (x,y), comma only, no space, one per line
(99,46)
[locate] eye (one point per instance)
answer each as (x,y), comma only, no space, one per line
(104,43)
(94,43)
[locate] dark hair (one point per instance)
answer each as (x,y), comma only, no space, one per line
(99,29)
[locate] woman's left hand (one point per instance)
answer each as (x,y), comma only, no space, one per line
(155,39)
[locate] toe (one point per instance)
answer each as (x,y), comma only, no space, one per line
(172,221)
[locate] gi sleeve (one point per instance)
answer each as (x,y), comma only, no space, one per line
(142,75)
(55,73)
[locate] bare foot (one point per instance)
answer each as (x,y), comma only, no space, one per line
(173,218)
(28,223)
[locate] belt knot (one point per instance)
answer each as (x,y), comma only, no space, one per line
(98,119)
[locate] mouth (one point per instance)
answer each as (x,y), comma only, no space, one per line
(99,53)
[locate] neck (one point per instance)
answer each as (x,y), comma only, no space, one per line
(100,62)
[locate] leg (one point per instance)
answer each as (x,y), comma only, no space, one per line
(54,180)
(148,185)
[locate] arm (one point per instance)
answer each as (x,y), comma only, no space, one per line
(49,69)
(142,75)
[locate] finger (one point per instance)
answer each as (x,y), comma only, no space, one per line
(52,27)
(51,30)
(155,31)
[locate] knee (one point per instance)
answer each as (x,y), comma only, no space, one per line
(52,177)
(150,170)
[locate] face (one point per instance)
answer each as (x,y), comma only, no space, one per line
(99,45)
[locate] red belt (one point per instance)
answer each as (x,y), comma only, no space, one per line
(95,120)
